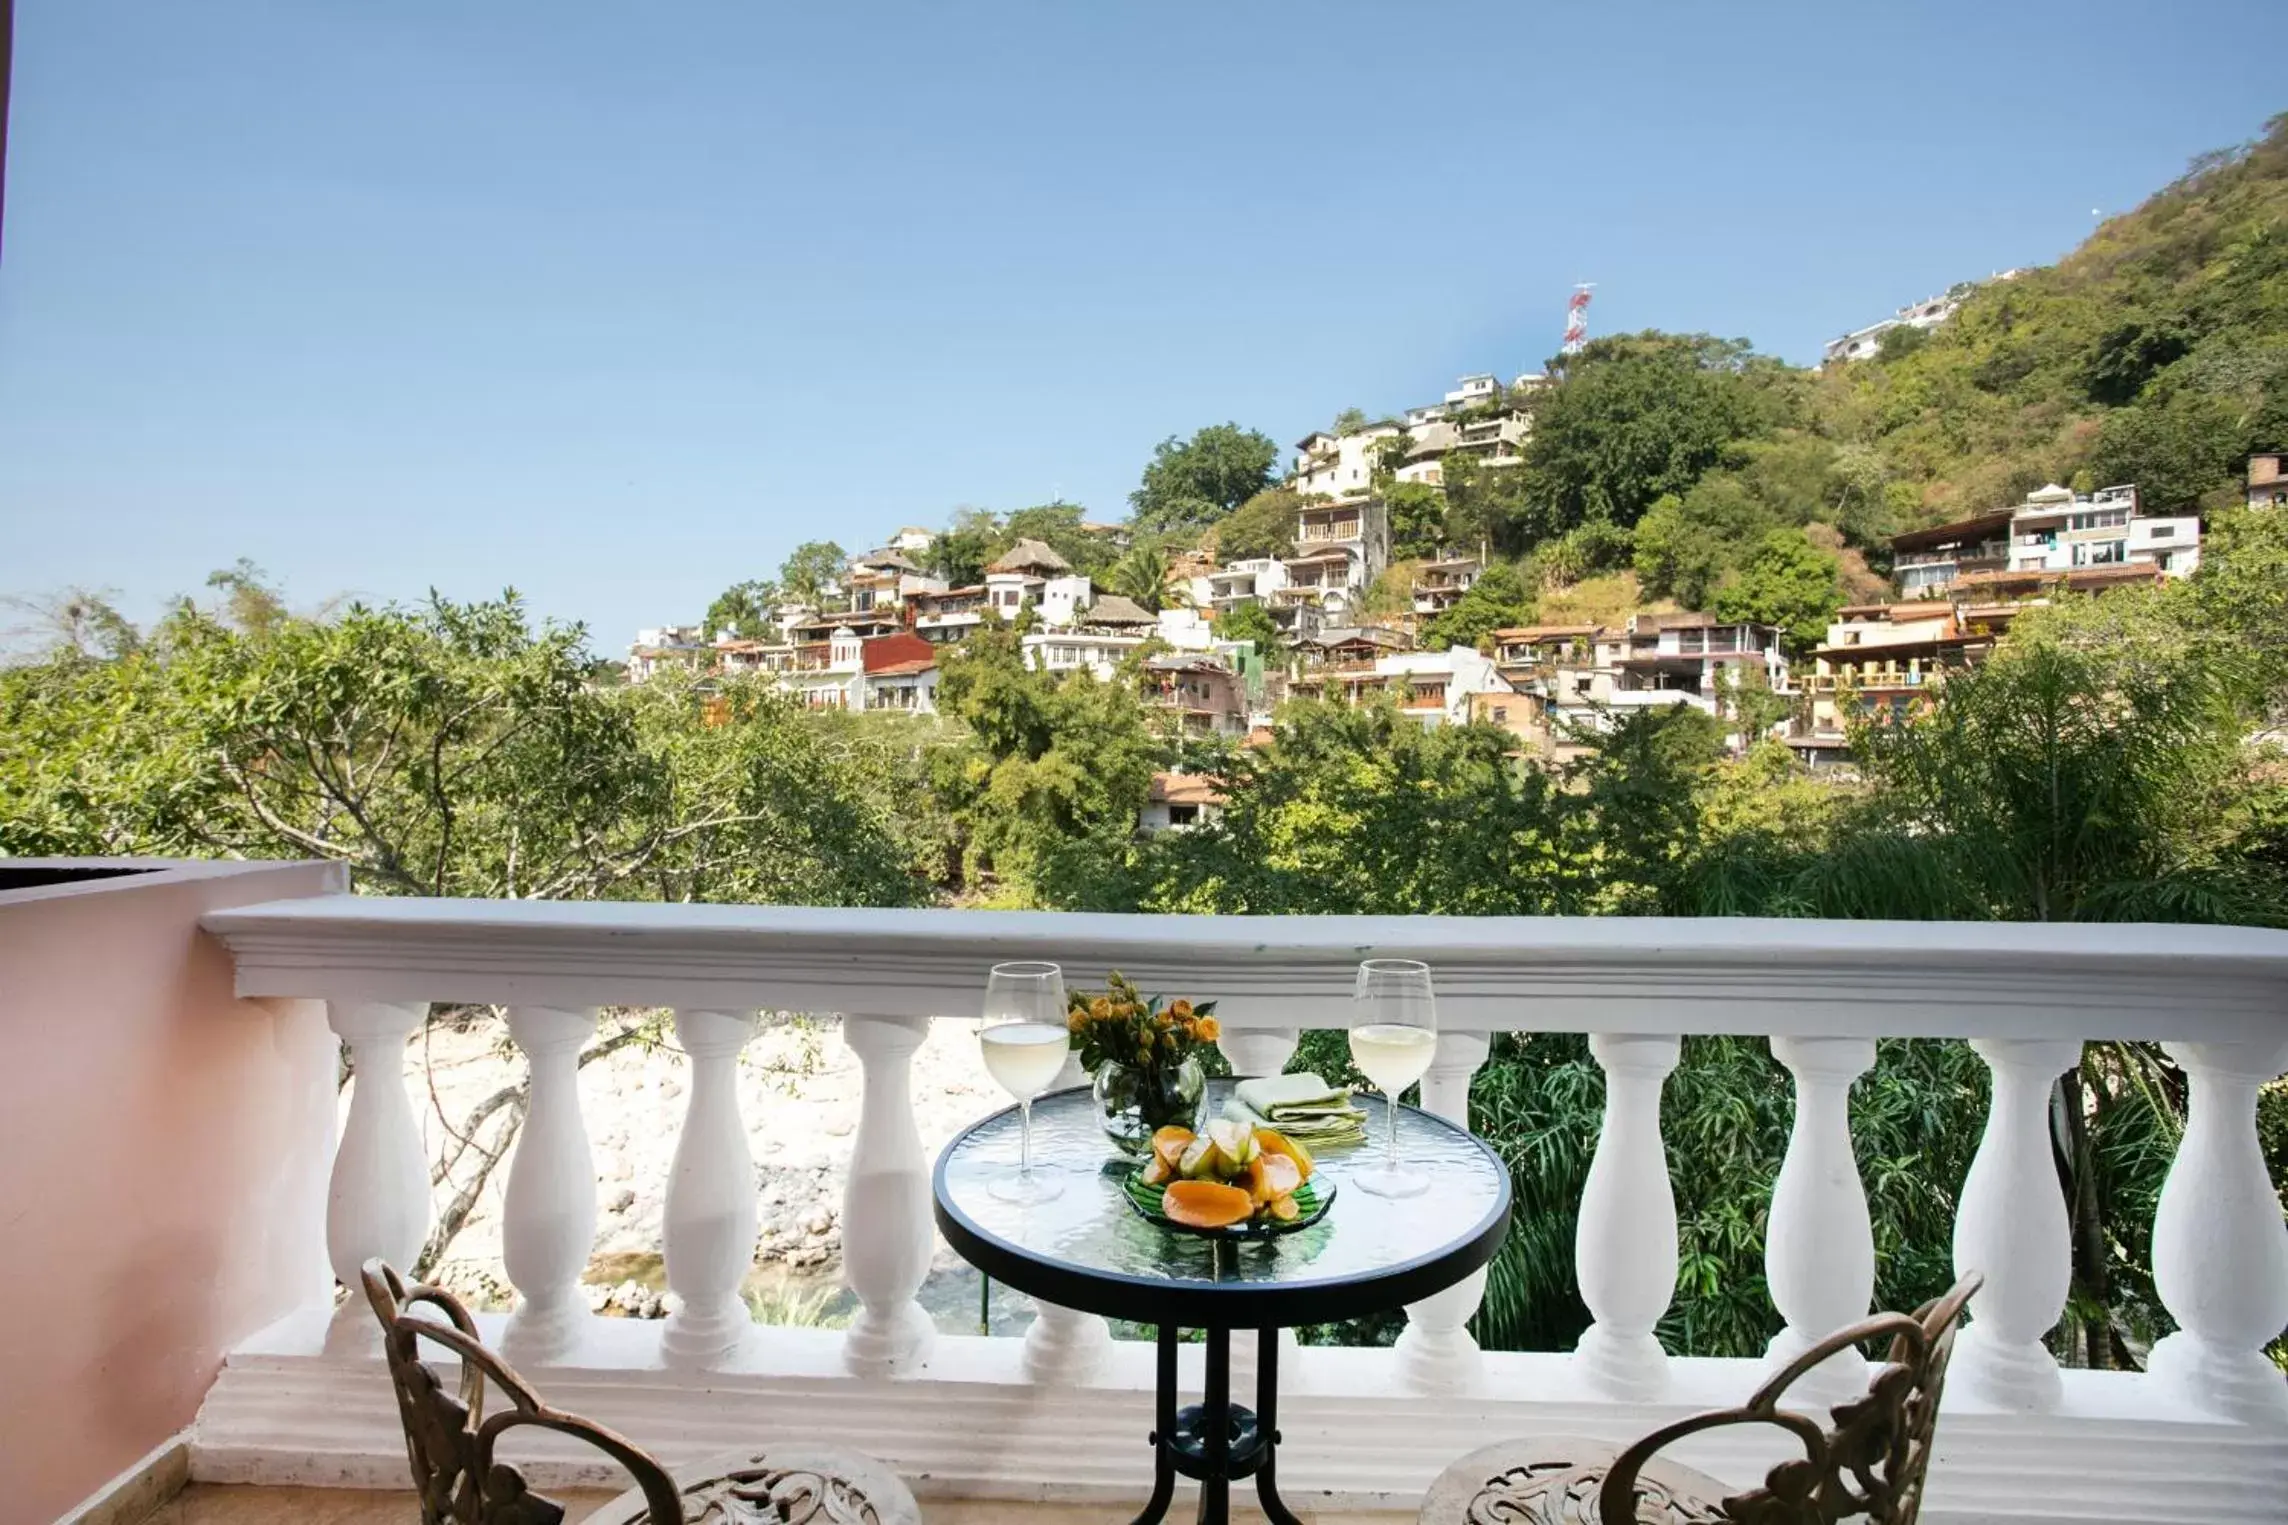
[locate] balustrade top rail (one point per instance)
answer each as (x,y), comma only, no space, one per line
(1611,975)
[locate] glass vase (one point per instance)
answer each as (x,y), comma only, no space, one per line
(1134,1103)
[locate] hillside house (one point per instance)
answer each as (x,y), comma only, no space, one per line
(2056,530)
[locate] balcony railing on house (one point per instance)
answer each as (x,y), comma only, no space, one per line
(1062,1412)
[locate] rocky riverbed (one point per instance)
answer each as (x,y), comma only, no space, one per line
(799,1091)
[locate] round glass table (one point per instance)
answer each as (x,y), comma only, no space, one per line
(1087,1248)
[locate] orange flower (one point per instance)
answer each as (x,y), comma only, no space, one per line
(1209,1030)
(1076,1021)
(1100,1008)
(1180,1010)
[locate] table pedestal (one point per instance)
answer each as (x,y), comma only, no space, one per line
(1216,1441)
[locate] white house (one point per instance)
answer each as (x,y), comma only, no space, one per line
(2056,531)
(1433,687)
(1339,466)
(1252,581)
(1021,575)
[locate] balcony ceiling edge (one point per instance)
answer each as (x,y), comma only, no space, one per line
(1743,976)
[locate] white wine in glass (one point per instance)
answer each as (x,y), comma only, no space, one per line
(1024,1040)
(1394,1036)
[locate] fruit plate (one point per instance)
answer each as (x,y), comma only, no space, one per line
(1312,1199)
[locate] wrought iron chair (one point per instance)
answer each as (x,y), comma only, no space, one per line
(451,1442)
(1869,1463)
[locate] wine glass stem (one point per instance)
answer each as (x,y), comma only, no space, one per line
(1025,1140)
(1392,1110)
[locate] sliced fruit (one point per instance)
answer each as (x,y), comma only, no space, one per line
(1158,1172)
(1206,1204)
(1169,1144)
(1285,1209)
(1197,1160)
(1231,1141)
(1258,1189)
(1280,1176)
(1274,1142)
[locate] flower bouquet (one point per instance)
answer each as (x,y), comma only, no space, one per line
(1144,1055)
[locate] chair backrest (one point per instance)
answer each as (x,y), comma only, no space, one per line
(448,1439)
(1869,1463)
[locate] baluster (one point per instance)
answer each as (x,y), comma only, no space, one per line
(1436,1352)
(2011,1229)
(1819,1249)
(1259,1050)
(710,1215)
(2220,1250)
(1625,1247)
(886,1230)
(378,1204)
(548,1214)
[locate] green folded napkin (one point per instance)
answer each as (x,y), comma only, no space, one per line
(1304,1107)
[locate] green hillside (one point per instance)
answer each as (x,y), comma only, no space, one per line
(2157,352)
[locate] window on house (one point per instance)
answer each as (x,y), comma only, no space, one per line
(1183,815)
(2164,532)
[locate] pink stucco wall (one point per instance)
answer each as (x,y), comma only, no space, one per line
(163,1153)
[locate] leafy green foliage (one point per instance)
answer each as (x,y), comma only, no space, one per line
(1251,622)
(811,568)
(1141,576)
(1496,600)
(1417,519)
(1045,795)
(1788,583)
(1191,483)
(744,609)
(1262,526)
(1058,526)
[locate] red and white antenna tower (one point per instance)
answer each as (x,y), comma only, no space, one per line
(1577,318)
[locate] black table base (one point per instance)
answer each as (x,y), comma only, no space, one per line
(1216,1442)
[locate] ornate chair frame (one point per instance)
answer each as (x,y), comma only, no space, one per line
(1871,1461)
(450,1441)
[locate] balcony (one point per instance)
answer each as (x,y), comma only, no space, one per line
(237,979)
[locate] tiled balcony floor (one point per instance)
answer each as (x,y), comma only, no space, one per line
(204,1505)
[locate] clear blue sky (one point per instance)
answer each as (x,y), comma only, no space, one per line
(616,303)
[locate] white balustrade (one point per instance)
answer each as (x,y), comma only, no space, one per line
(1819,1248)
(2220,1249)
(887,1232)
(1436,1352)
(548,1213)
(378,1203)
(710,1214)
(1625,1246)
(2011,1229)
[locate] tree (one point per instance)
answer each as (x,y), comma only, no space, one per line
(1189,484)
(1141,576)
(1633,418)
(1045,798)
(1789,583)
(1262,526)
(81,622)
(1417,519)
(1495,601)
(811,568)
(744,609)
(1349,421)
(1251,622)
(1058,526)
(970,542)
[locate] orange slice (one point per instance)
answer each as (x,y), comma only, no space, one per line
(1206,1204)
(1157,1172)
(1285,1209)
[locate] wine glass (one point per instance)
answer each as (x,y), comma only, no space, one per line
(1025,1041)
(1394,1035)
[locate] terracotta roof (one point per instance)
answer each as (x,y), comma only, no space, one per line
(1030,555)
(1185,789)
(897,652)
